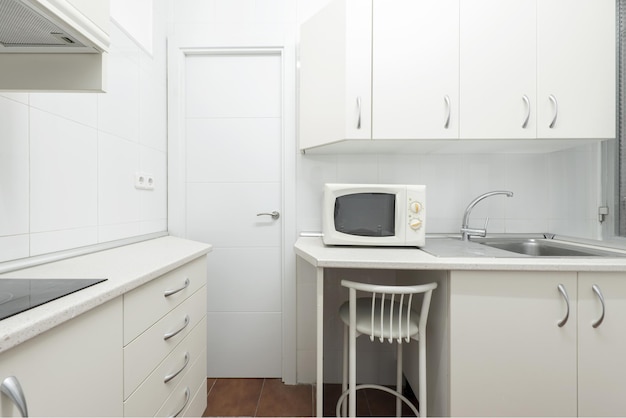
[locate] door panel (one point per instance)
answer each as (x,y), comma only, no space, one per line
(233,140)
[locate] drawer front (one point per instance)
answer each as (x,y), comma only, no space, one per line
(144,354)
(198,404)
(147,304)
(182,397)
(151,394)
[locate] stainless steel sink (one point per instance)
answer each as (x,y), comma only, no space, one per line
(546,247)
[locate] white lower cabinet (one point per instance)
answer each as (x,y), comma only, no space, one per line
(74,369)
(510,357)
(142,354)
(165,344)
(601,349)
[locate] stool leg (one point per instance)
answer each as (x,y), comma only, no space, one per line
(344,379)
(422,376)
(352,367)
(399,379)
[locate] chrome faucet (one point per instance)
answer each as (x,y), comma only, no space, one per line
(466,231)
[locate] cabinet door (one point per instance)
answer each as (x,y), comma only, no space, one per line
(576,67)
(415,70)
(508,356)
(498,69)
(74,369)
(601,359)
(336,74)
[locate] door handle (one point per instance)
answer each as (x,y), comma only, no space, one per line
(275,214)
(561,288)
(11,387)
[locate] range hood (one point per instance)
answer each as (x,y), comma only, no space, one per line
(31,26)
(53,45)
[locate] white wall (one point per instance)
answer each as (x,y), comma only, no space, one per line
(68,160)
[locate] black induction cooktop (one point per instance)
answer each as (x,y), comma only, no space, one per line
(19,295)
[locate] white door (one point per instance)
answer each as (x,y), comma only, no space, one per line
(233,144)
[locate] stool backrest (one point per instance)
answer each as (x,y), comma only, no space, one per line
(382,308)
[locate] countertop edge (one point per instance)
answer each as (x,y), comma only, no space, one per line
(151,259)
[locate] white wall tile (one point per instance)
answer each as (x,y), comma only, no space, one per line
(47,242)
(119,231)
(118,199)
(78,107)
(64,173)
(14,168)
(253,286)
(14,247)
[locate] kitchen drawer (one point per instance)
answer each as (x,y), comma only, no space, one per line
(151,394)
(144,354)
(148,303)
(182,399)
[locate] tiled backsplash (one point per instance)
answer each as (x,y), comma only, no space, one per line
(556,192)
(68,160)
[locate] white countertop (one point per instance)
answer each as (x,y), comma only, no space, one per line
(125,267)
(316,253)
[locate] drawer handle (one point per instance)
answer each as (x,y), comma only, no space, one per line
(169,335)
(187,396)
(173,292)
(564,293)
(173,375)
(12,388)
(597,291)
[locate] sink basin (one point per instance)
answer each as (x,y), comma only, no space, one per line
(546,247)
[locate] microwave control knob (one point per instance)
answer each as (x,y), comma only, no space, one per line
(415,207)
(415,224)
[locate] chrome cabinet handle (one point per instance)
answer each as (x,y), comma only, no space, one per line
(527,101)
(173,375)
(11,387)
(187,396)
(180,289)
(171,334)
(446,124)
(597,291)
(564,293)
(556,110)
(358,106)
(274,214)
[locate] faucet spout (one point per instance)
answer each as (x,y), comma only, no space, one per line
(466,231)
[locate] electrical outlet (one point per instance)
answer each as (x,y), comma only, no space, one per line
(140,180)
(149,182)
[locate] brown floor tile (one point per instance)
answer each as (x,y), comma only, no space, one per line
(332,392)
(234,397)
(280,400)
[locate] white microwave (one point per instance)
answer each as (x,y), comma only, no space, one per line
(374,215)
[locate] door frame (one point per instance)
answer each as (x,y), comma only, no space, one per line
(177,52)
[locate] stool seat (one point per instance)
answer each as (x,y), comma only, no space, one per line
(386,314)
(379,327)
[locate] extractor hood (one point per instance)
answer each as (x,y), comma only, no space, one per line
(32,26)
(53,45)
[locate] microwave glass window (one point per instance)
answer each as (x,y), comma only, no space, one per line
(366,214)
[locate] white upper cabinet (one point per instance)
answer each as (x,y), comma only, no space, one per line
(336,74)
(498,69)
(576,69)
(415,84)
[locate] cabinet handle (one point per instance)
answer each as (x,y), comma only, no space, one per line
(564,293)
(173,292)
(358,118)
(173,375)
(171,334)
(527,102)
(597,291)
(446,124)
(556,110)
(187,396)
(11,387)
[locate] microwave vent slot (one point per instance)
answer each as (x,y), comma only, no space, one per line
(22,27)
